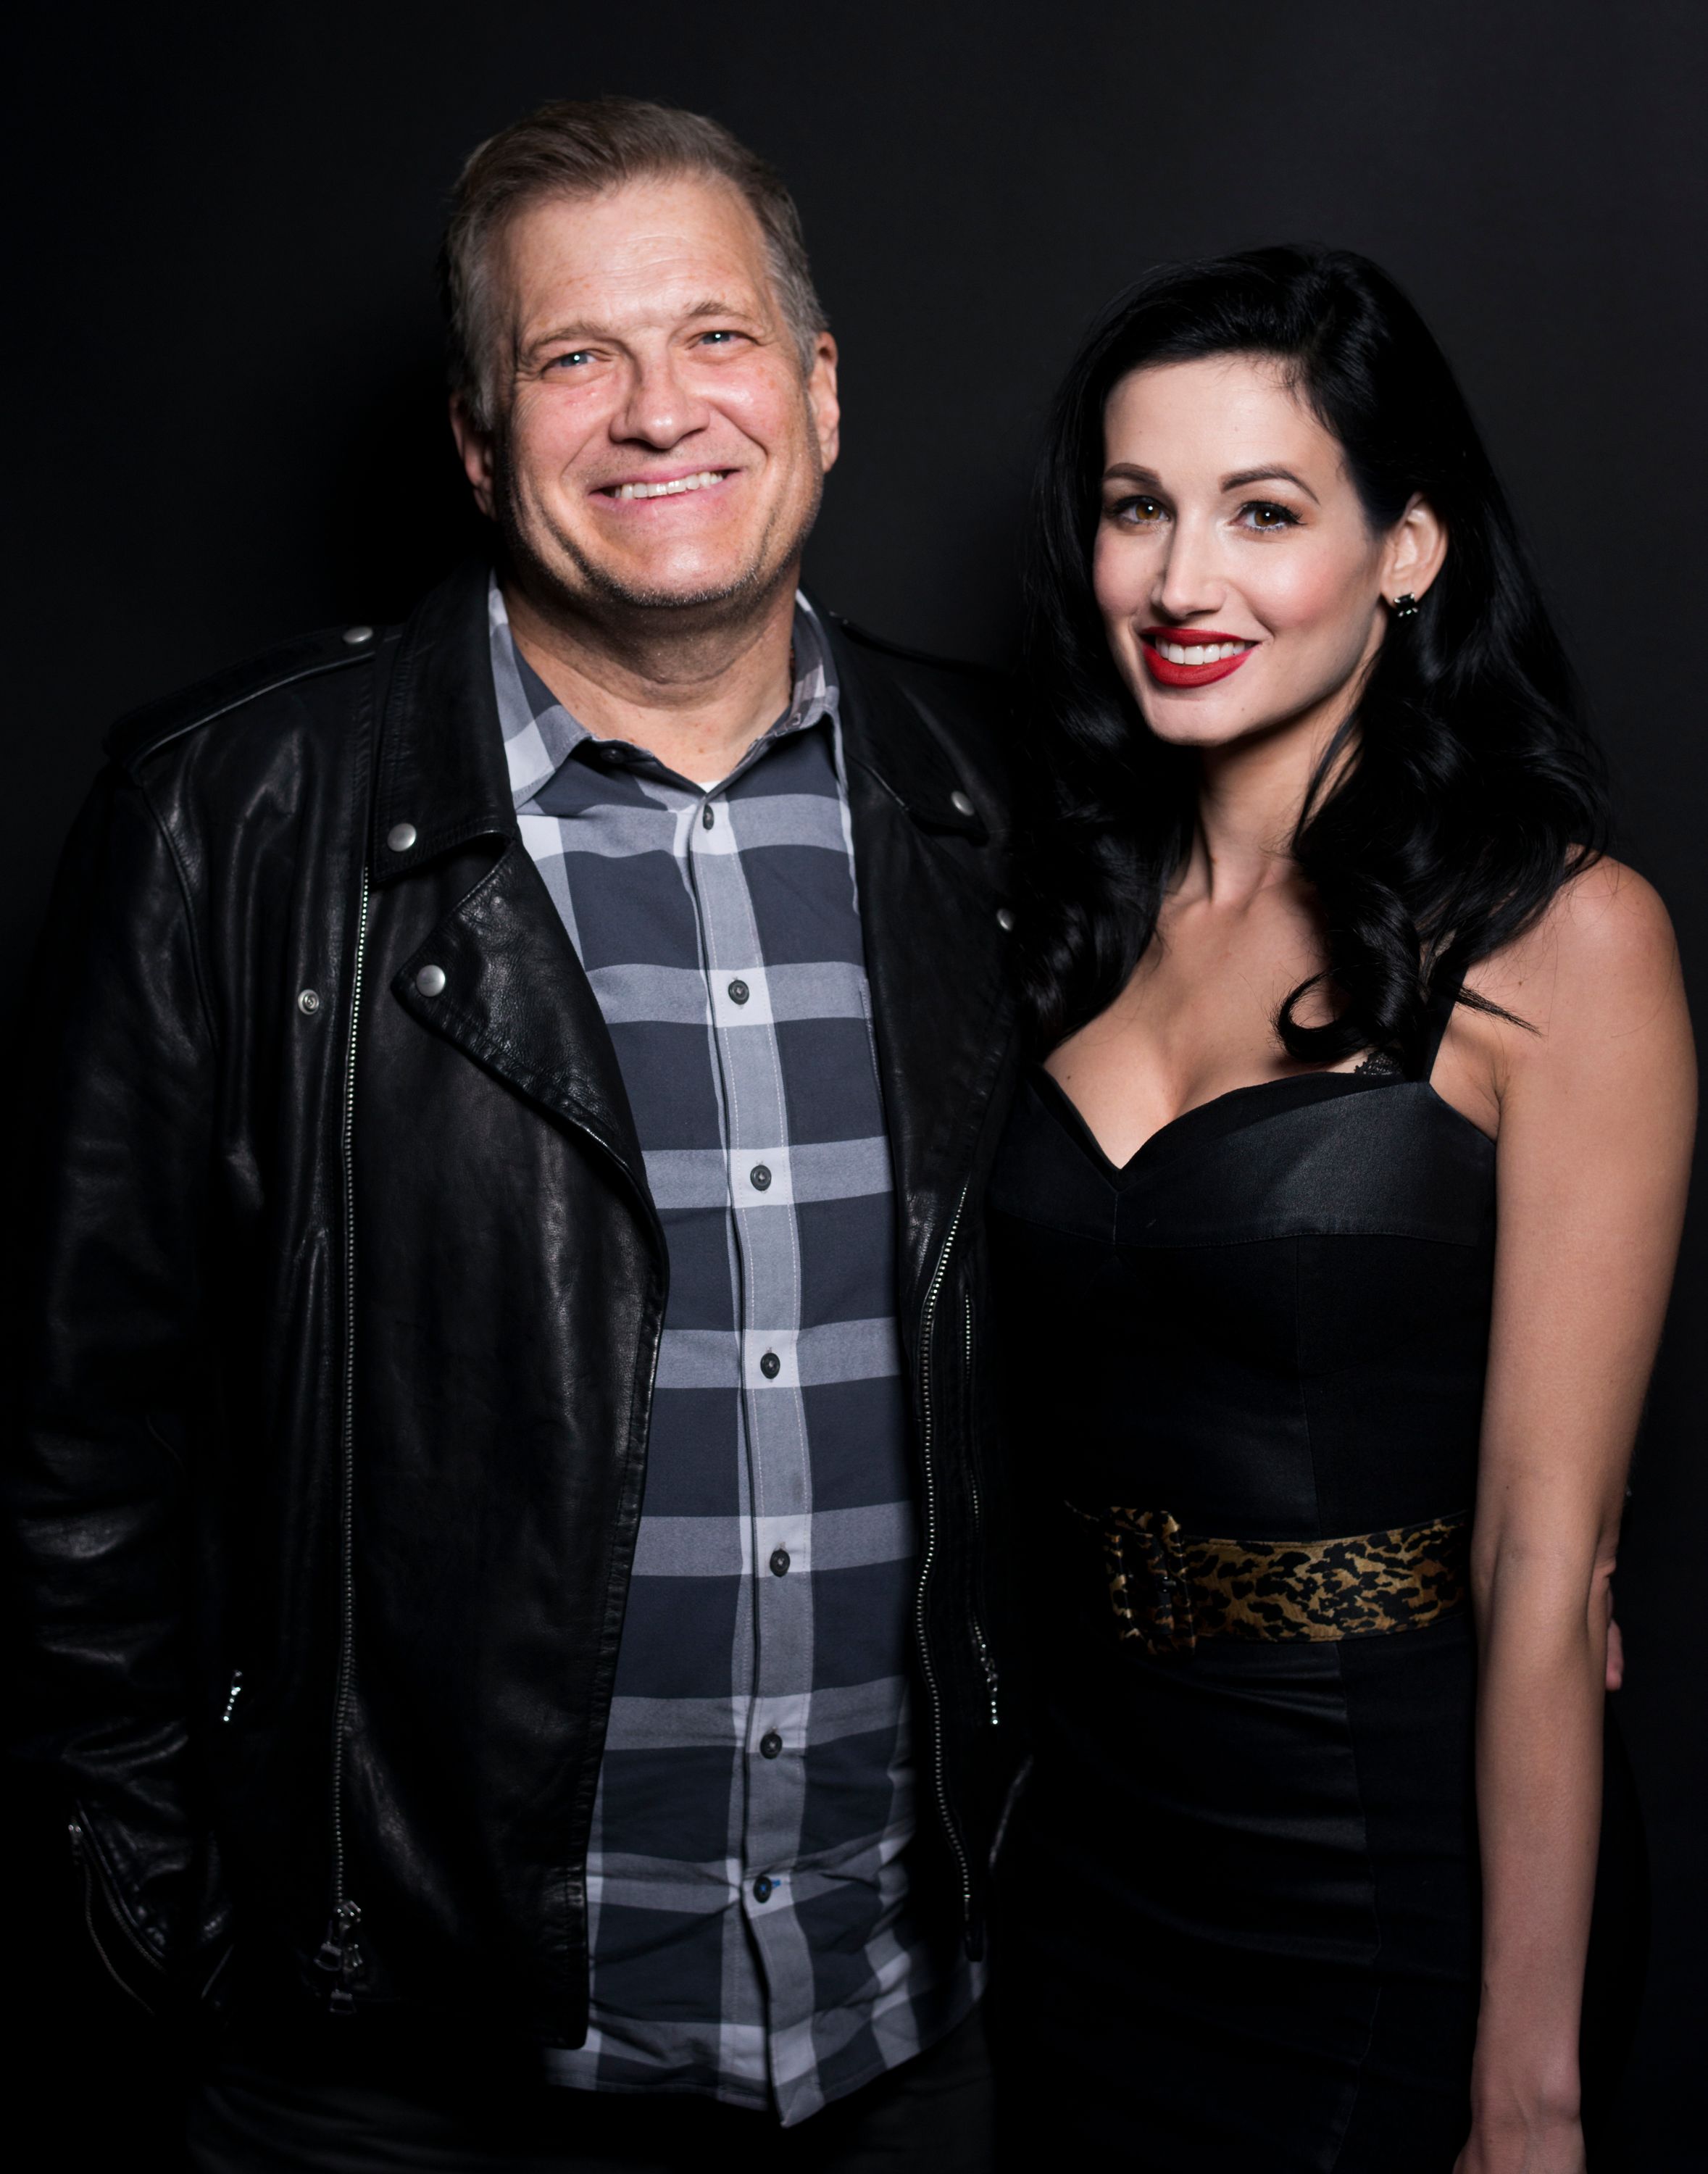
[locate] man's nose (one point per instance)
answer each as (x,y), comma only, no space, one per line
(659,410)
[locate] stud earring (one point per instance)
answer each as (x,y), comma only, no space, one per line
(1405,607)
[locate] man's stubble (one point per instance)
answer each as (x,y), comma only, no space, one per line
(576,592)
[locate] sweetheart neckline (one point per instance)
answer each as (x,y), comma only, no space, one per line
(1363,1083)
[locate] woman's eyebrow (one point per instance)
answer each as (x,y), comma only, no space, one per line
(1244,476)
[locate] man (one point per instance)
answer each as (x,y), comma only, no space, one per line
(501,1493)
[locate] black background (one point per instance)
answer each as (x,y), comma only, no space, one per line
(225,426)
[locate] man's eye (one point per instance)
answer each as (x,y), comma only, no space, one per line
(719,338)
(576,355)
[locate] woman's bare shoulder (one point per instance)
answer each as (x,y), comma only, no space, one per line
(1602,960)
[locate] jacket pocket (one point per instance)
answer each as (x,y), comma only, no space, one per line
(127,1955)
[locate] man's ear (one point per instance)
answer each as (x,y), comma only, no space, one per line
(474,449)
(1417,547)
(821,399)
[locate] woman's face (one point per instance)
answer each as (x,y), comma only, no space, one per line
(1240,584)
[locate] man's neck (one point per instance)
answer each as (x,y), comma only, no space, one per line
(696,694)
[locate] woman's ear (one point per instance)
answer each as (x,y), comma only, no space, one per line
(1417,546)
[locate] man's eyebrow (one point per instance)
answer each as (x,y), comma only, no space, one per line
(589,328)
(712,307)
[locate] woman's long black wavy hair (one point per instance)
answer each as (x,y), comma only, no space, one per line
(1470,791)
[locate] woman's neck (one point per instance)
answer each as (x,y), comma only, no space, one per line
(1251,797)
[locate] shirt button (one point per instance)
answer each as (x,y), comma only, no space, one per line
(706,817)
(771,1365)
(762,1889)
(770,1744)
(779,1562)
(759,1177)
(740,993)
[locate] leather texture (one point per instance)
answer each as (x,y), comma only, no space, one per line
(344,1308)
(1244,1879)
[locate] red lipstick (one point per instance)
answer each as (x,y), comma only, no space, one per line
(1195,637)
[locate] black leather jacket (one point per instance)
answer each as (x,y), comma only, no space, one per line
(344,1305)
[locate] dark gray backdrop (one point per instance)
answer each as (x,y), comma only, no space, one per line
(226,426)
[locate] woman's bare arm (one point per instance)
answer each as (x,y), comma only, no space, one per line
(1597,1110)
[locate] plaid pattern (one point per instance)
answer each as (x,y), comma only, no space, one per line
(752,1933)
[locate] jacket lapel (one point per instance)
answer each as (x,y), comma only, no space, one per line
(514,998)
(932,887)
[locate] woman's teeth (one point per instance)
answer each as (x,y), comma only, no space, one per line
(1199,652)
(670,489)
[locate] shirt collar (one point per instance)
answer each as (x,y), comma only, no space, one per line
(540,736)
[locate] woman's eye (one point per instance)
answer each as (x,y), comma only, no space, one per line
(1260,514)
(1137,512)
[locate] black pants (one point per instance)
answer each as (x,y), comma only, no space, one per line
(251,2117)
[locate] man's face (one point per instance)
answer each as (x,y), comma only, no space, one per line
(656,444)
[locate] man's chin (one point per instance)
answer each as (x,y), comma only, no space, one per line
(645,589)
(698,585)
(580,585)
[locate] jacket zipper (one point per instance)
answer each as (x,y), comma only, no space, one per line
(339,1954)
(927,1320)
(986,1660)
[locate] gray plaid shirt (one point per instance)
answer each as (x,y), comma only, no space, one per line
(753,1933)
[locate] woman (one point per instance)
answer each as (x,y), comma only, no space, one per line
(1333,1234)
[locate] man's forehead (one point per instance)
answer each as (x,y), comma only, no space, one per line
(669,247)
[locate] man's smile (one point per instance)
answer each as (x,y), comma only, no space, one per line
(627,491)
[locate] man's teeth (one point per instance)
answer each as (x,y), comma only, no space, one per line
(1201,653)
(671,489)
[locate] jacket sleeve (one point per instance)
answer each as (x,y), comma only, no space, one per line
(116,1139)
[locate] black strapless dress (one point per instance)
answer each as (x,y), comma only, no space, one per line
(1240,1925)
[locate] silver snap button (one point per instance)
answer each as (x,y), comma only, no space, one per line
(356,636)
(308,1003)
(430,981)
(1005,919)
(961,804)
(401,836)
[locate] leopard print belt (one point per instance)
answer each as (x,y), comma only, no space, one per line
(1169,1588)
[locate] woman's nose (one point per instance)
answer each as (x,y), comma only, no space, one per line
(1189,580)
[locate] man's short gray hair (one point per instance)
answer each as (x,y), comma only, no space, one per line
(583,146)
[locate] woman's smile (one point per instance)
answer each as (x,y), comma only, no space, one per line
(1192,657)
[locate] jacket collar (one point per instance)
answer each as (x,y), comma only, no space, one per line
(441,779)
(930,893)
(894,737)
